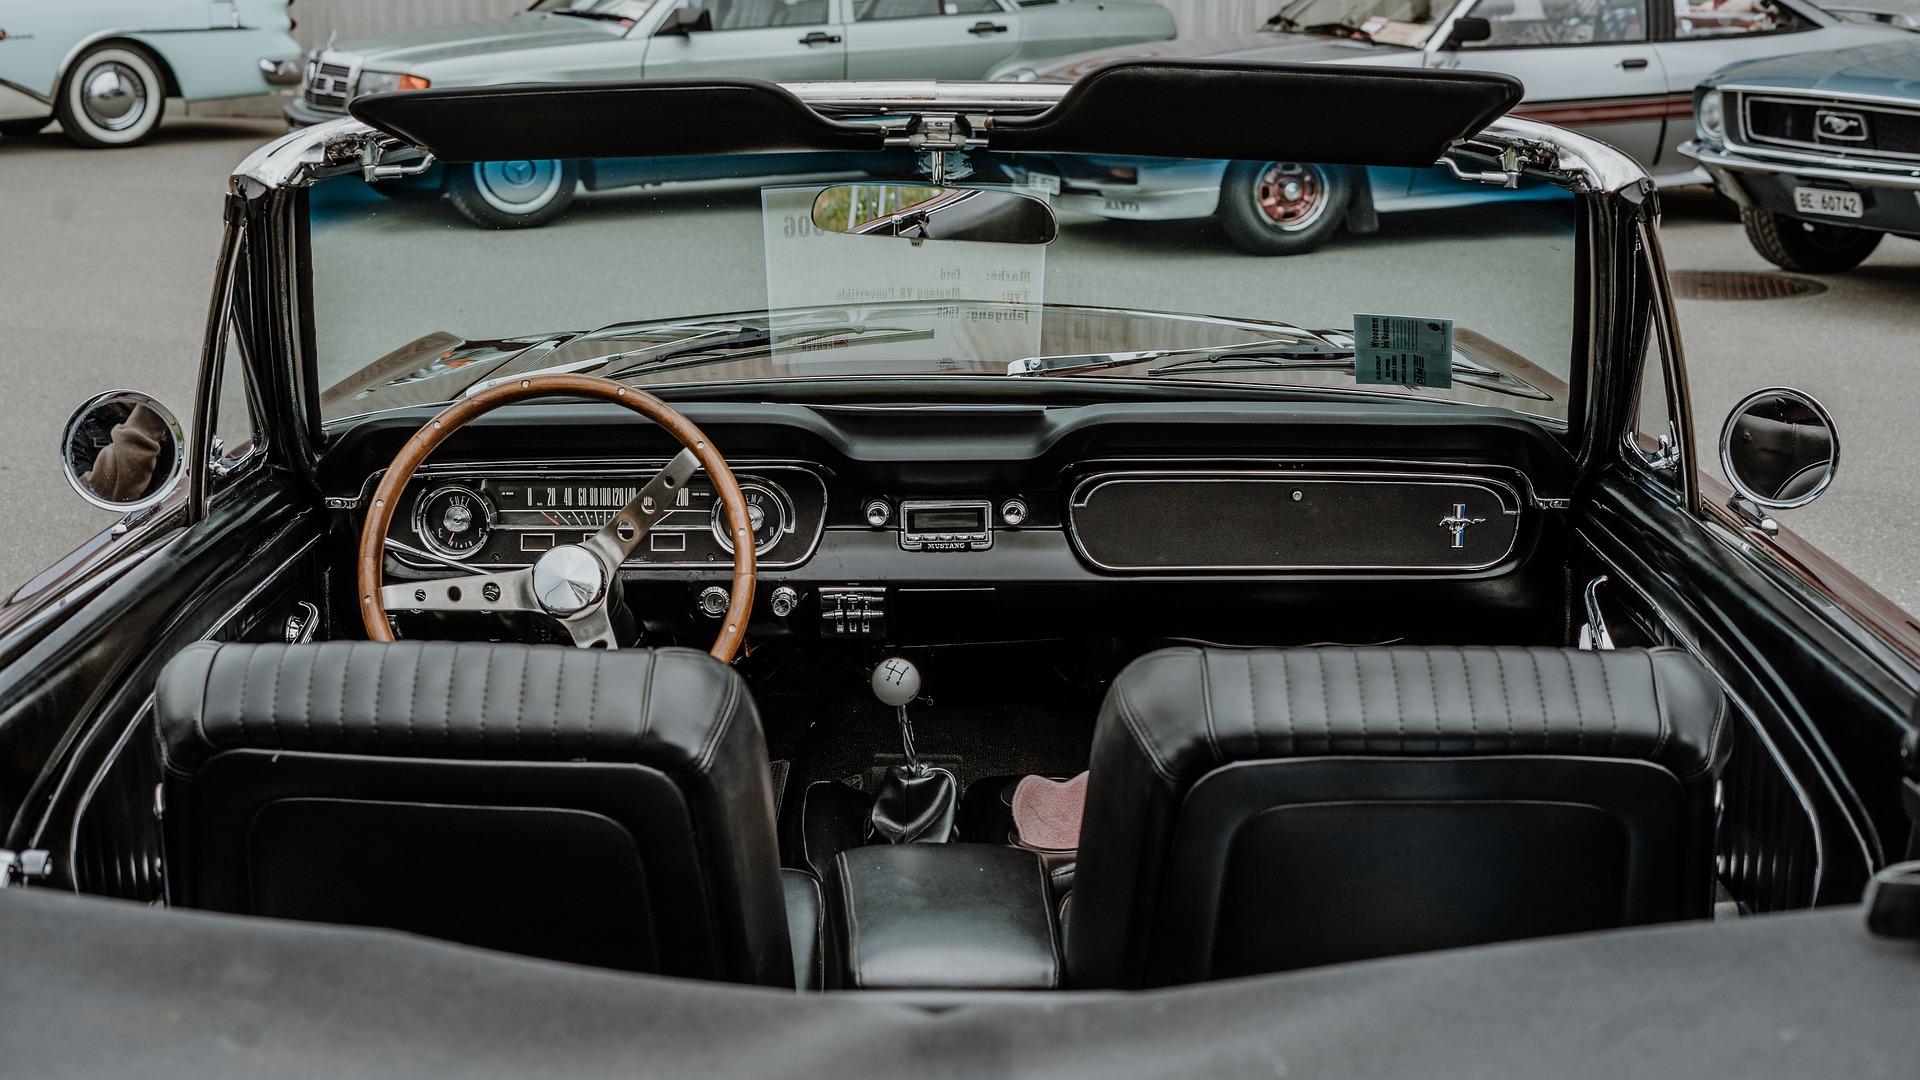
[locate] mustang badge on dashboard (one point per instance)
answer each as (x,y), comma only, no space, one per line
(1458,523)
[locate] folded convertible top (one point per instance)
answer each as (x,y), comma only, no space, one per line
(1146,107)
(104,988)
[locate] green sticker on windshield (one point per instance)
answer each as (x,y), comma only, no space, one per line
(1403,350)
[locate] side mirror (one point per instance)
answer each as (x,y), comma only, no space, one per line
(923,212)
(1468,29)
(122,450)
(1780,448)
(684,21)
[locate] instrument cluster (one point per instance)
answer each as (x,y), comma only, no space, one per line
(503,518)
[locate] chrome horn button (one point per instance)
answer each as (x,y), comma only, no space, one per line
(567,580)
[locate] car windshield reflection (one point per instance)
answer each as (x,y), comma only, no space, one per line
(1286,276)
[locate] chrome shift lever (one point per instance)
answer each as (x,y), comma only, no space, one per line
(915,802)
(897,682)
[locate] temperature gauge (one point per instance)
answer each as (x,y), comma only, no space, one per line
(453,521)
(767,515)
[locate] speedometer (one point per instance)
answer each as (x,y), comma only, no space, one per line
(453,521)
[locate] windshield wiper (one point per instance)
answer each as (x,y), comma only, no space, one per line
(759,342)
(1277,348)
(601,16)
(1340,29)
(1278,354)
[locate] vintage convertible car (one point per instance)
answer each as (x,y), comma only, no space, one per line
(1092,639)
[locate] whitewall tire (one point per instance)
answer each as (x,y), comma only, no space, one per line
(113,96)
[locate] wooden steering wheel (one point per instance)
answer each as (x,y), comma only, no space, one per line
(571,582)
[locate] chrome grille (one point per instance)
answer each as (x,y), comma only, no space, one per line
(1831,128)
(329,86)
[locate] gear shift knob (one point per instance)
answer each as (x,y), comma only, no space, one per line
(896,682)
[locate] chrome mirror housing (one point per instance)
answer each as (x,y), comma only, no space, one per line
(123,450)
(1780,448)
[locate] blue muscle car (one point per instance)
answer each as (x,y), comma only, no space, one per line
(1821,151)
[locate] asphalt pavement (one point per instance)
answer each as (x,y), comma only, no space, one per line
(107,260)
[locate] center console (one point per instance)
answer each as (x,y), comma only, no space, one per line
(945,917)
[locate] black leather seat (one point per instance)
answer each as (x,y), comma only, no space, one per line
(606,808)
(1259,810)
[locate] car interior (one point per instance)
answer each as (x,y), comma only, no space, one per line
(970,684)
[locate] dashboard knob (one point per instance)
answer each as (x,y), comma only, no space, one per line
(715,600)
(1013,511)
(878,512)
(783,601)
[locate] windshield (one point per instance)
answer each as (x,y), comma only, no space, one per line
(1390,22)
(1067,271)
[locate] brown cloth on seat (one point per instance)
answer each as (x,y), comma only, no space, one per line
(1047,813)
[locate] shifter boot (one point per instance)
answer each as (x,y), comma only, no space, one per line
(914,806)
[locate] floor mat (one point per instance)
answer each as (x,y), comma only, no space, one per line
(780,770)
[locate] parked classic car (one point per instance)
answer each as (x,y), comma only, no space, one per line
(573,40)
(1384,612)
(105,70)
(1817,150)
(1622,72)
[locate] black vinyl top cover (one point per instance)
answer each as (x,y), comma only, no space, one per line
(1331,113)
(659,117)
(106,988)
(1148,107)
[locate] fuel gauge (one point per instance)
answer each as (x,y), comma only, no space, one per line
(453,521)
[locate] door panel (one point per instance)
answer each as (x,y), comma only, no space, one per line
(766,39)
(1829,709)
(929,39)
(69,692)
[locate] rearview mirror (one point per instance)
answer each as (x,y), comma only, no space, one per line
(1780,448)
(684,21)
(923,212)
(122,450)
(1468,29)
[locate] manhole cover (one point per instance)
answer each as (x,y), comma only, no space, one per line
(1740,285)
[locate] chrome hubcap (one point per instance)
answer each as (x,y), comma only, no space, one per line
(567,580)
(517,187)
(114,96)
(1290,195)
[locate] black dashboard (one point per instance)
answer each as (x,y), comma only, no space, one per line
(1224,521)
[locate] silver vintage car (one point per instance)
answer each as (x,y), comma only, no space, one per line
(781,40)
(789,40)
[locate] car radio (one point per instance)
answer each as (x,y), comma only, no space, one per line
(953,525)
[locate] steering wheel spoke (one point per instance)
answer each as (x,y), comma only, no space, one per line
(618,538)
(511,591)
(592,629)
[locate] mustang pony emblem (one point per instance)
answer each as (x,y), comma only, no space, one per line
(1840,126)
(1458,524)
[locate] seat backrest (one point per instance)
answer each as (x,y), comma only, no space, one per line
(607,808)
(1254,810)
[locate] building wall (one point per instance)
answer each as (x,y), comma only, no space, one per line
(350,19)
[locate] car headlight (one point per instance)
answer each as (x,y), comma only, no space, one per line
(1019,74)
(380,82)
(1712,116)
